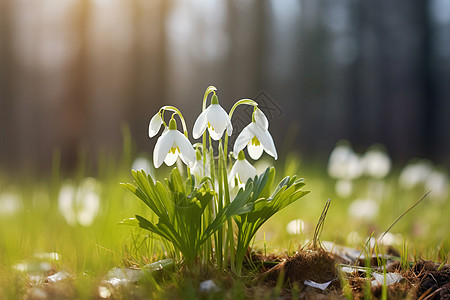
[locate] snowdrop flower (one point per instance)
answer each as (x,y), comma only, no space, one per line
(142,163)
(80,205)
(215,118)
(344,187)
(10,203)
(155,125)
(172,144)
(415,173)
(197,169)
(363,209)
(242,170)
(256,137)
(295,226)
(437,182)
(344,163)
(377,163)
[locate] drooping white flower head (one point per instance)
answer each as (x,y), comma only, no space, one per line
(171,144)
(256,137)
(215,118)
(155,125)
(197,169)
(242,170)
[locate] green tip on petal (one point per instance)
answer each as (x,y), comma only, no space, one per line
(172,124)
(214,99)
(241,155)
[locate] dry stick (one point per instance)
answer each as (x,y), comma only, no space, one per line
(398,219)
(320,224)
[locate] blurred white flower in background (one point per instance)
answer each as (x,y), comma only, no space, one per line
(10,203)
(390,239)
(353,238)
(415,173)
(344,188)
(80,205)
(344,163)
(295,226)
(437,182)
(366,209)
(422,173)
(143,163)
(377,163)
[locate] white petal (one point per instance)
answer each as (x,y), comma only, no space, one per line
(261,120)
(186,149)
(254,151)
(245,170)
(197,169)
(232,174)
(171,158)
(266,141)
(200,124)
(229,127)
(218,118)
(214,134)
(154,125)
(162,147)
(243,138)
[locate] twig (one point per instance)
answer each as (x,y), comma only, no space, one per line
(398,219)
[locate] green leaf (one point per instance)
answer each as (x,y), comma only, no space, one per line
(130,221)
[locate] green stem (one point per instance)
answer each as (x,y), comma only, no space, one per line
(239,102)
(178,112)
(219,248)
(204,153)
(205,96)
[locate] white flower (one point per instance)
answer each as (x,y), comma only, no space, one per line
(295,226)
(363,209)
(80,205)
(242,170)
(415,173)
(197,169)
(215,118)
(377,163)
(344,163)
(154,125)
(171,144)
(343,187)
(437,182)
(256,137)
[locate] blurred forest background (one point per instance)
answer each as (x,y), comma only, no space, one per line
(74,72)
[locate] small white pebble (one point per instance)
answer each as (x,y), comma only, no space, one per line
(208,286)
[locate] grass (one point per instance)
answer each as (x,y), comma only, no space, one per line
(88,253)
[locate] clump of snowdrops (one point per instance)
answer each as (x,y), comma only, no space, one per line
(211,216)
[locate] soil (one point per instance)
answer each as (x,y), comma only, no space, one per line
(283,277)
(425,280)
(317,266)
